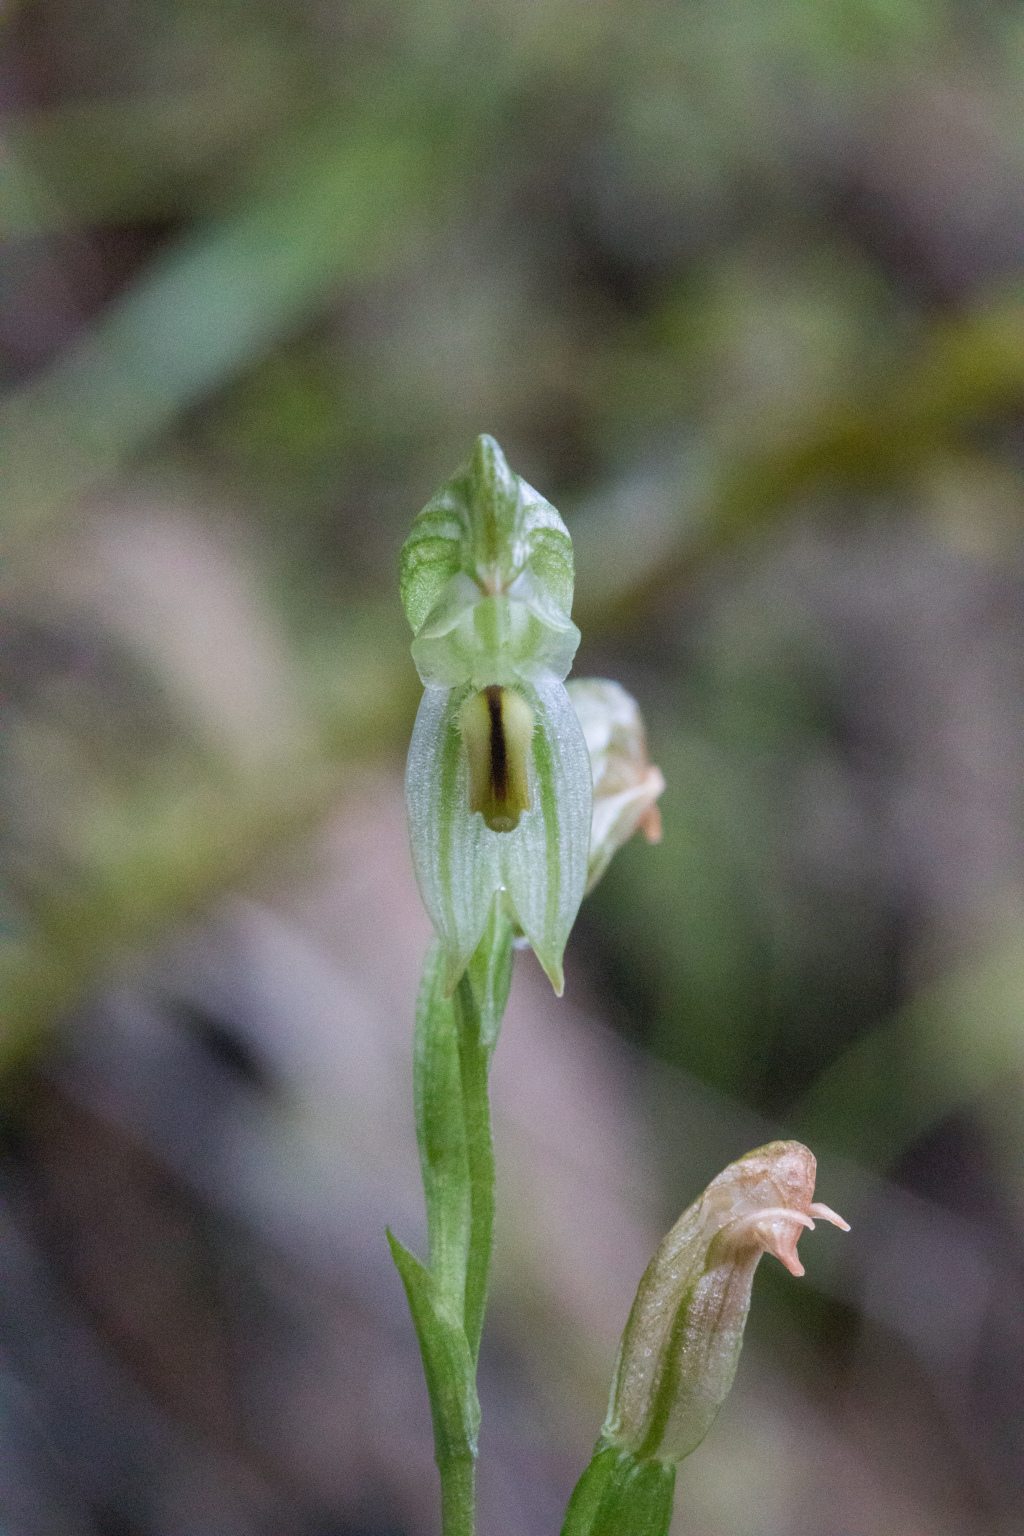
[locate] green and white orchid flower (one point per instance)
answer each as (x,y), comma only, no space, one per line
(498,782)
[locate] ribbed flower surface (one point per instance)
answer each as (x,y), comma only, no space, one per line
(498,780)
(680,1349)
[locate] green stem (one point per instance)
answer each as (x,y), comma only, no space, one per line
(621,1495)
(458,1495)
(454,1042)
(441,1134)
(476,1111)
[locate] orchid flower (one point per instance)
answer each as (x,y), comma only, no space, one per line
(498,781)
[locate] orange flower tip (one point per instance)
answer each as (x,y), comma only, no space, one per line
(650,824)
(824,1213)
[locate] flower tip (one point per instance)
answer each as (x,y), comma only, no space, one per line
(824,1213)
(489,466)
(772,1230)
(555,976)
(650,822)
(783,1245)
(551,965)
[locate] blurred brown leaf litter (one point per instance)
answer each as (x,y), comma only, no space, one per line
(738,287)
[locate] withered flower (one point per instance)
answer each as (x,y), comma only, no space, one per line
(682,1343)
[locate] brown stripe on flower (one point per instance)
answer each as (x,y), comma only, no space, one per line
(497,727)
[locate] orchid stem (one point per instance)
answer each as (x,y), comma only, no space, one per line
(455,1038)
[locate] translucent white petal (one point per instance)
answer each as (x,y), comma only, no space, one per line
(544,862)
(460,862)
(454,854)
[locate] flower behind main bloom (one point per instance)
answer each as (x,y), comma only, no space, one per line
(626,785)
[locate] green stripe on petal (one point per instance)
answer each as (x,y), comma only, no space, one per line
(460,862)
(454,854)
(544,862)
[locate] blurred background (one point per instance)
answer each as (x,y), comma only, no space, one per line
(738,287)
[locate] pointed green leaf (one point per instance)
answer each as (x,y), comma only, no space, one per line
(447,1362)
(454,1040)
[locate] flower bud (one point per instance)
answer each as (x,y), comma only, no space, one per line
(626,786)
(682,1343)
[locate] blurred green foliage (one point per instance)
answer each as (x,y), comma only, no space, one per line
(703,267)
